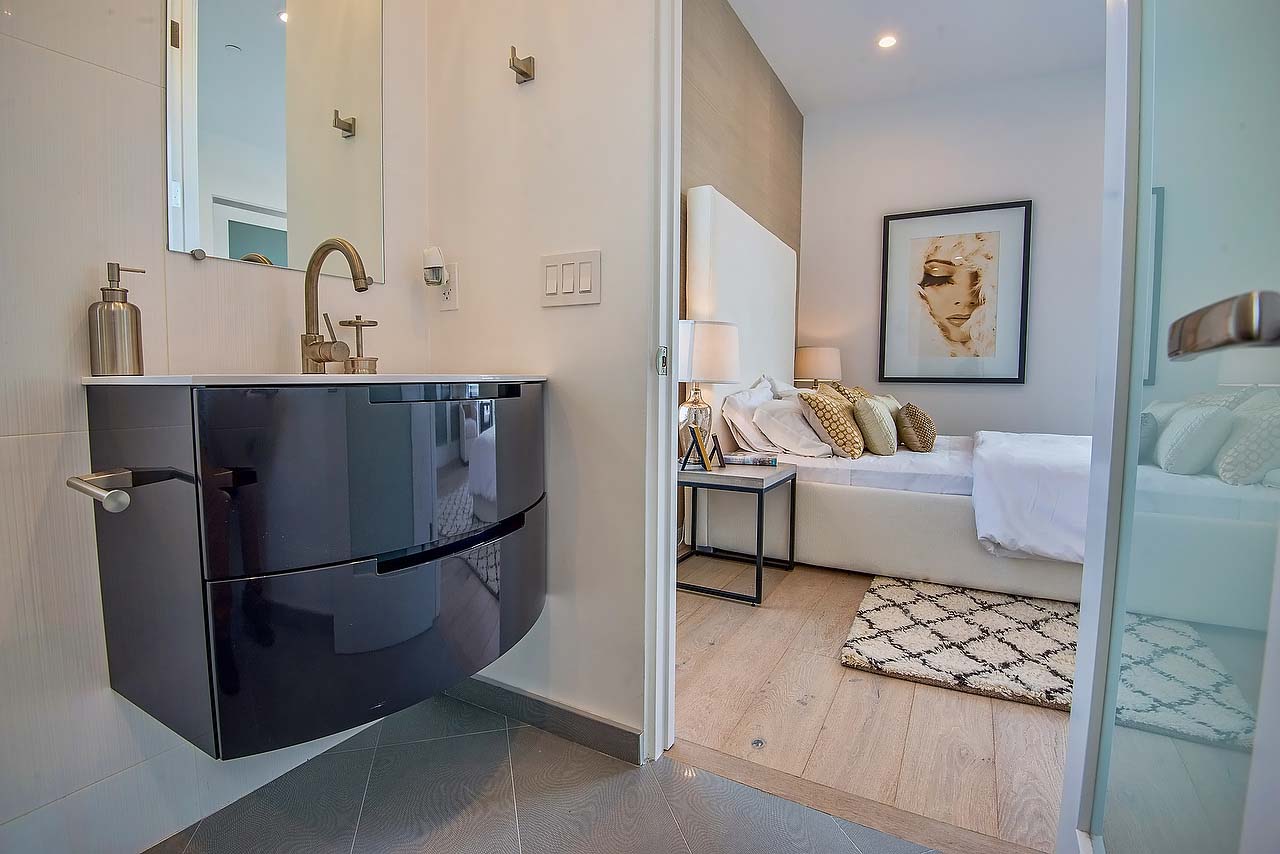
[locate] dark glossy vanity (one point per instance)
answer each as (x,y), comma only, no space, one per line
(299,558)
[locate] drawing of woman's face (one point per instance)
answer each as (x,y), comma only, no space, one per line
(951,295)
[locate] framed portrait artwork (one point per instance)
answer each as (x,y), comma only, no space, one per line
(953,301)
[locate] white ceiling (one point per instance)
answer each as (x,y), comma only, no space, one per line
(825,51)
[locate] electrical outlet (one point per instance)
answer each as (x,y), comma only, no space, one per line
(450,295)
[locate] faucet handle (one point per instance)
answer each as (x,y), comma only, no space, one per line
(333,336)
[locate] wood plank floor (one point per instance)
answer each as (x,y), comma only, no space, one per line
(765,685)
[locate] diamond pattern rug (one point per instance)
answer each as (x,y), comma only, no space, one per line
(1023,649)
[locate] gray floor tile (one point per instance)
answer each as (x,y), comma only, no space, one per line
(447,796)
(176,844)
(719,815)
(436,718)
(312,809)
(575,801)
(363,740)
(870,841)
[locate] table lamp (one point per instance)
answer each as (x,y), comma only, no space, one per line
(818,364)
(708,354)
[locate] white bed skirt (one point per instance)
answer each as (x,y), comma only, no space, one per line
(916,535)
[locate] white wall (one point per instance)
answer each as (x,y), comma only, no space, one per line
(82,182)
(1038,139)
(564,163)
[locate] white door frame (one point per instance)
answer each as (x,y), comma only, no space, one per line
(660,486)
(1110,421)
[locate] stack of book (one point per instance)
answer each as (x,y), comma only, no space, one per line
(743,458)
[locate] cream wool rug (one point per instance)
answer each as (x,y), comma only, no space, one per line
(1021,648)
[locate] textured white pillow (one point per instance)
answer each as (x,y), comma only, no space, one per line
(739,408)
(784,422)
(1253,448)
(1193,437)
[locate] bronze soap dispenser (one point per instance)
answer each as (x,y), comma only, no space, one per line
(115,329)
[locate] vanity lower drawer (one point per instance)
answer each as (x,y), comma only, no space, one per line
(304,654)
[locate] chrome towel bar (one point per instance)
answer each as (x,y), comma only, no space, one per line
(107,487)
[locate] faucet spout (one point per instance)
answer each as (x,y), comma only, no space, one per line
(359,279)
(316,352)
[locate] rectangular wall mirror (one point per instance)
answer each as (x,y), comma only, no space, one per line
(275,129)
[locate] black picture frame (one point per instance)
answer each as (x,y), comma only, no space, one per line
(1021,378)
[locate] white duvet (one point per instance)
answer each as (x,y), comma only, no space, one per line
(1030,494)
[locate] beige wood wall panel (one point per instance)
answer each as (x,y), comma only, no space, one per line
(82,184)
(741,131)
(948,766)
(1031,749)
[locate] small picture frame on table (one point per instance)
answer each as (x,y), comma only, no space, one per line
(698,446)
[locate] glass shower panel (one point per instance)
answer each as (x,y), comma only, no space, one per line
(1200,512)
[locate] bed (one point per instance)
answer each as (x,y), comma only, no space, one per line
(906,515)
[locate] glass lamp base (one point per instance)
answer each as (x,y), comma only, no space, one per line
(697,412)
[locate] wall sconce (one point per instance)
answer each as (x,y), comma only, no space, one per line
(433,269)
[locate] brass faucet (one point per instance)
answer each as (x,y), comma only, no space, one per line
(317,352)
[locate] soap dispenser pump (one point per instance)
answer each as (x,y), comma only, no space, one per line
(115,329)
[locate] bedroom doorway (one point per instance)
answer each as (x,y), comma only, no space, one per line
(946,729)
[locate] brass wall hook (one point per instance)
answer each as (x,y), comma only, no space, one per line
(522,67)
(347,126)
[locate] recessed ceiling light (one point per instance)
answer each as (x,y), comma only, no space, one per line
(888,40)
(284,17)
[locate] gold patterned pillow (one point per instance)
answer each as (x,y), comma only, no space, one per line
(839,389)
(915,428)
(879,431)
(831,417)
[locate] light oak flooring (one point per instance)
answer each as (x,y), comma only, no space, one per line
(765,685)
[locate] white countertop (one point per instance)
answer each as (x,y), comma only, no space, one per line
(309,379)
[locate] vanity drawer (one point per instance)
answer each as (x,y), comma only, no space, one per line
(304,654)
(296,477)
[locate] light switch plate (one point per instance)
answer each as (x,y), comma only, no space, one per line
(572,278)
(450,295)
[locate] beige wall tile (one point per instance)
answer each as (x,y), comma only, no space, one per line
(123,814)
(61,725)
(82,185)
(124,35)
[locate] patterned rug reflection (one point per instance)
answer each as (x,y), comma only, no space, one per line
(1023,649)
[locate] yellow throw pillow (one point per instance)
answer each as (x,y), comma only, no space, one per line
(831,417)
(915,428)
(875,420)
(838,389)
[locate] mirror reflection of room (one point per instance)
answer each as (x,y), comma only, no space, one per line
(275,130)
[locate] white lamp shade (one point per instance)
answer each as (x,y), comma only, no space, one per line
(818,363)
(708,352)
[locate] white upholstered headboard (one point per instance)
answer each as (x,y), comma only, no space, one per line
(739,271)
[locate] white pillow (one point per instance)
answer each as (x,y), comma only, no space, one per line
(1253,448)
(739,408)
(1193,437)
(784,423)
(780,388)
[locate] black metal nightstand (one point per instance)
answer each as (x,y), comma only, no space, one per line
(759,481)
